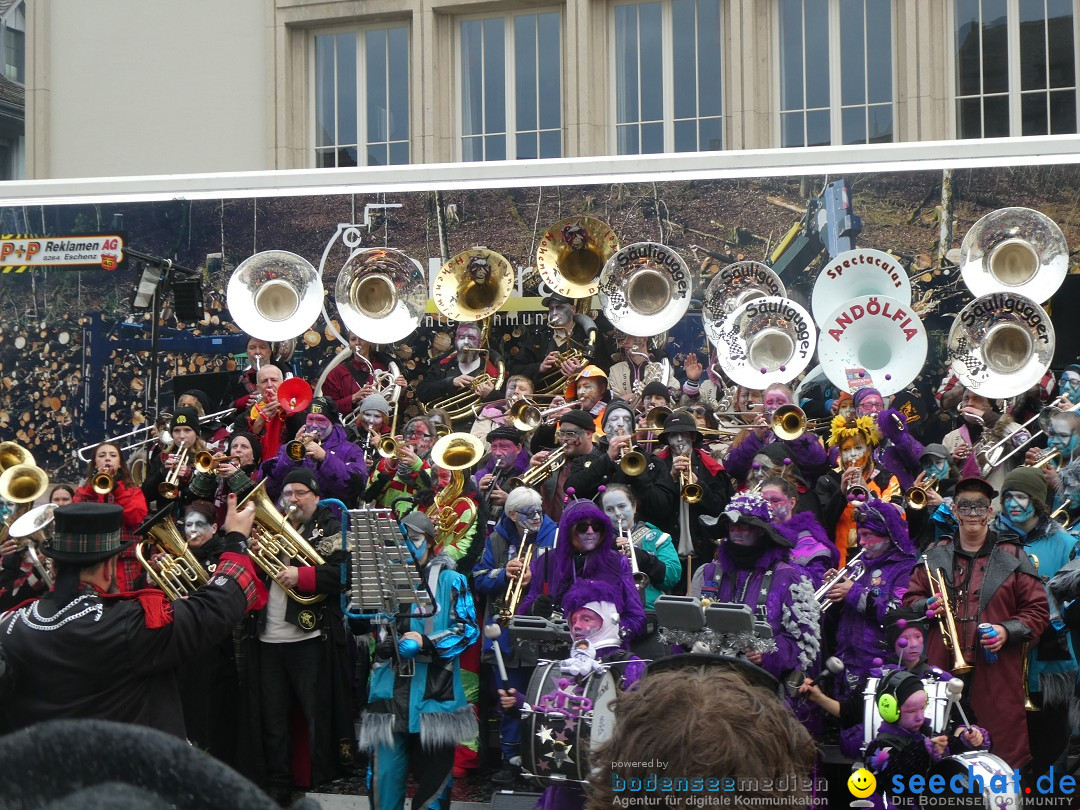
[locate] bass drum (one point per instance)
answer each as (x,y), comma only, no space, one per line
(562,719)
(985,766)
(937,707)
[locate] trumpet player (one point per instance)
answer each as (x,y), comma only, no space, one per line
(581,468)
(1063,483)
(337,464)
(989,578)
(237,472)
(501,566)
(107,459)
(179,464)
(811,549)
(692,465)
(897,450)
(244,392)
(396,479)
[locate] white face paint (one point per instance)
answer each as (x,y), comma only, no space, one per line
(618,507)
(618,423)
(373,419)
(681,443)
(853,454)
(197,530)
(467,339)
(560,315)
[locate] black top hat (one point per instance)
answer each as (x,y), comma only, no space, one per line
(680,422)
(86,533)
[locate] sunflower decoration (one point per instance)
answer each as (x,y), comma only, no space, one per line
(842,428)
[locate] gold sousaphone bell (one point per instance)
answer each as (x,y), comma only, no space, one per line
(473,284)
(572,254)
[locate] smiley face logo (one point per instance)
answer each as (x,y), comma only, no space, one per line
(861,783)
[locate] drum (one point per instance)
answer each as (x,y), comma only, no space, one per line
(985,765)
(937,707)
(562,718)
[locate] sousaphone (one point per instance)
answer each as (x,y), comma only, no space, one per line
(274,295)
(380,294)
(872,340)
(1001,344)
(473,285)
(764,341)
(1015,250)
(855,273)
(572,254)
(736,284)
(645,289)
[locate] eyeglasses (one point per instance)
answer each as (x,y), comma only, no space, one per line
(968,508)
(595,525)
(415,434)
(295,493)
(530,514)
(570,435)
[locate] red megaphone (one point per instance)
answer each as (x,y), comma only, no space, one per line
(294,395)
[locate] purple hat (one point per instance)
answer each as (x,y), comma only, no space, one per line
(862,394)
(886,519)
(750,509)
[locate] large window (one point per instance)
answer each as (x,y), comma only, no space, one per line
(362,97)
(668,81)
(836,78)
(511,87)
(1015,68)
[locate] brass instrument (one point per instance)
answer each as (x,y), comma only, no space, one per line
(1061,515)
(381,292)
(382,383)
(509,607)
(496,474)
(690,492)
(555,382)
(139,438)
(176,572)
(534,476)
(854,569)
(103,483)
(296,449)
(1052,456)
(170,487)
(208,463)
(632,462)
(643,288)
(1044,417)
(275,537)
(789,422)
(12,454)
(916,496)
(31,529)
(948,626)
(641,580)
(655,421)
(855,491)
(572,253)
(460,405)
(20,484)
(274,295)
(526,416)
(455,452)
(473,285)
(1029,704)
(764,341)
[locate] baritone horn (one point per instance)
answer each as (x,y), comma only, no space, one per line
(949,635)
(176,571)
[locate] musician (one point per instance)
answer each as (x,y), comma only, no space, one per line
(300,659)
(500,566)
(574,432)
(1063,475)
(684,454)
(628,378)
(1069,383)
(459,369)
(897,450)
(185,436)
(806,451)
(244,391)
(586,550)
(856,441)
(655,395)
(374,422)
(108,458)
(463,539)
(213,432)
(417,720)
(86,650)
(20,577)
(751,567)
(982,426)
(812,550)
(337,463)
(569,331)
(238,472)
(937,479)
(395,481)
(888,558)
(350,383)
(493,414)
(1052,668)
(509,458)
(990,579)
(266,418)
(696,391)
(62,495)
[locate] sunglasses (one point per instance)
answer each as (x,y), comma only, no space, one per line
(596,526)
(530,514)
(699,411)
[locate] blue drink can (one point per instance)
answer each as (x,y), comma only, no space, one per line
(987,631)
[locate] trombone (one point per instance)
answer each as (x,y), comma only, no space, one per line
(948,626)
(538,474)
(1043,417)
(170,487)
(789,422)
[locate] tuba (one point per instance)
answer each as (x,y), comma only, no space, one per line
(12,454)
(736,284)
(381,294)
(855,273)
(176,572)
(645,289)
(766,340)
(572,254)
(455,452)
(1014,250)
(473,285)
(274,295)
(277,537)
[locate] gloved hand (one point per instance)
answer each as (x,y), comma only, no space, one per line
(543,606)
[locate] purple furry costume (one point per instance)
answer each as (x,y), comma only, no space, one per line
(812,550)
(806,452)
(553,573)
(899,452)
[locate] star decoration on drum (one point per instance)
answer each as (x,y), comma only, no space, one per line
(545,734)
(560,753)
(543,765)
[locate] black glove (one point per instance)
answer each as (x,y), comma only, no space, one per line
(543,606)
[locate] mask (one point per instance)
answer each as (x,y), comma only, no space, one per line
(1018,506)
(938,468)
(417,546)
(854,455)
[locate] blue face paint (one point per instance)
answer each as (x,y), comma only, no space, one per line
(417,547)
(1070,387)
(1064,442)
(1018,507)
(938,468)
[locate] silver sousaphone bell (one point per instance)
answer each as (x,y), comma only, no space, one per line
(274,295)
(1015,250)
(1001,344)
(37,520)
(381,294)
(764,341)
(736,284)
(645,289)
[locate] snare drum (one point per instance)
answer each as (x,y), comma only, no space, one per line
(562,718)
(937,706)
(987,766)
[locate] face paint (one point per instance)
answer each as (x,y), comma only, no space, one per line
(870,405)
(776,398)
(1018,506)
(1070,386)
(528,519)
(1061,438)
(618,423)
(319,425)
(874,543)
(560,315)
(853,453)
(618,507)
(585,623)
(936,468)
(913,712)
(779,503)
(910,654)
(589,393)
(417,544)
(743,535)
(587,536)
(681,444)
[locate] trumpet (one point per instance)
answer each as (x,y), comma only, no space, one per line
(102,483)
(689,492)
(948,626)
(170,487)
(641,580)
(916,496)
(1061,515)
(297,448)
(208,463)
(632,462)
(526,416)
(538,474)
(854,569)
(509,607)
(1052,456)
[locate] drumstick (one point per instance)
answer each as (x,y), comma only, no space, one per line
(955,688)
(493,631)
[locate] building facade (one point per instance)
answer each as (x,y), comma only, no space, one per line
(115,88)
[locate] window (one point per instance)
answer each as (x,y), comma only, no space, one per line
(362,97)
(668,83)
(1015,68)
(14,44)
(511,87)
(836,82)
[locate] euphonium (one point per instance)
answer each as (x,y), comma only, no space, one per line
(455,452)
(854,569)
(176,572)
(534,476)
(275,536)
(517,588)
(948,625)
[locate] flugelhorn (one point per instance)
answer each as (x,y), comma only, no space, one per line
(534,476)
(948,625)
(275,537)
(176,571)
(509,607)
(854,569)
(690,492)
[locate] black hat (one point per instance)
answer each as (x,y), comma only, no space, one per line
(505,432)
(302,475)
(324,406)
(975,482)
(900,619)
(253,440)
(656,389)
(580,419)
(86,533)
(680,422)
(202,396)
(185,417)
(556,298)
